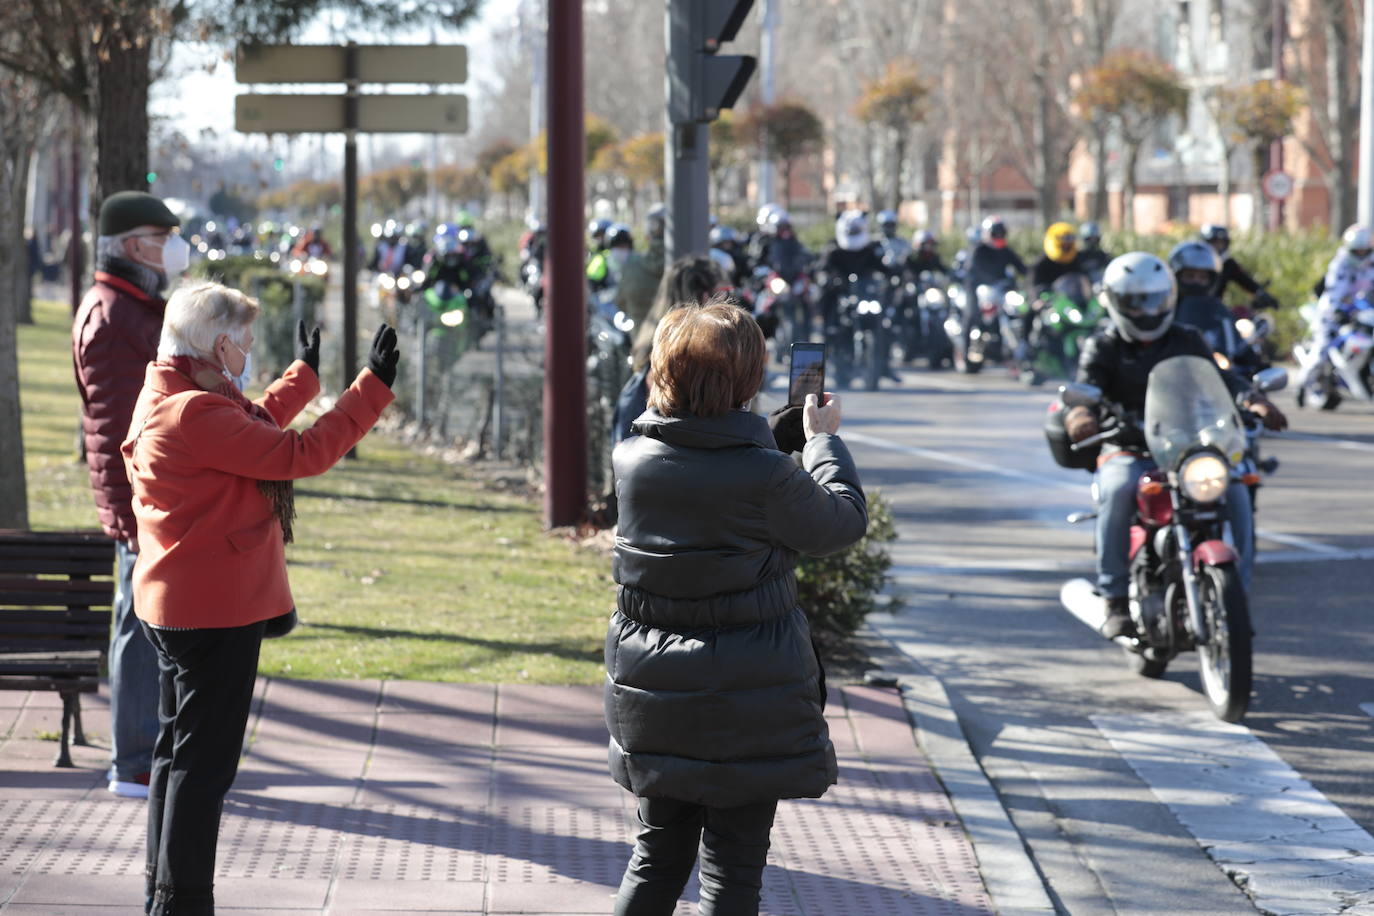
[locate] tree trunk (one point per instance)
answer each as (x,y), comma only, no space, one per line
(787,184)
(1099,207)
(1261,157)
(1128,186)
(1225,188)
(121,133)
(898,164)
(22,278)
(14,510)
(1046,179)
(1342,115)
(870,167)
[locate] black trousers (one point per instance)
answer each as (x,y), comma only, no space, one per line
(733,847)
(206,691)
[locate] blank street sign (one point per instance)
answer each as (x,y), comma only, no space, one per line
(311,114)
(376,64)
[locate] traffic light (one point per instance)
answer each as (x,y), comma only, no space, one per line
(151,176)
(279,163)
(700,81)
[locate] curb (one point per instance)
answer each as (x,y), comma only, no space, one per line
(1011,878)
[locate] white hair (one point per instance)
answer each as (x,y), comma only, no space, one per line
(198,313)
(112,246)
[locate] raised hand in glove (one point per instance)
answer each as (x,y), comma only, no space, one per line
(1080,424)
(1269,413)
(786,423)
(384,355)
(308,348)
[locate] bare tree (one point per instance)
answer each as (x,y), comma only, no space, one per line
(1327,69)
(22,107)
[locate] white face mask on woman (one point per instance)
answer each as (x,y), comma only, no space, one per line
(243,378)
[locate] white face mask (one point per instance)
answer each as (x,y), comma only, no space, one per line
(176,256)
(619,256)
(243,378)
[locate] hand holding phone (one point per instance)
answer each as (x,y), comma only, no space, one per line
(807,373)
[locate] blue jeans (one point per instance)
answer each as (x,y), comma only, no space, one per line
(133,680)
(1116,488)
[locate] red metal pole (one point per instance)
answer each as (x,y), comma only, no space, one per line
(565,316)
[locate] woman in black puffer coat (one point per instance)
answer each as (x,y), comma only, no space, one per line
(714,694)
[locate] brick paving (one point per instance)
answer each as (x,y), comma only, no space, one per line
(358,798)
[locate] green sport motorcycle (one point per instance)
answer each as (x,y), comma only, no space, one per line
(1068,315)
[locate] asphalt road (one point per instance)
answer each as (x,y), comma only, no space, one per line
(983,549)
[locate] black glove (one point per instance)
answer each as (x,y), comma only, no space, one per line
(786,423)
(308,348)
(383,357)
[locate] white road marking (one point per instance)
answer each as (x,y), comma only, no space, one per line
(1323,551)
(1281,840)
(1367,708)
(1347,444)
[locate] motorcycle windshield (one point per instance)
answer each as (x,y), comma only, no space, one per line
(1188,406)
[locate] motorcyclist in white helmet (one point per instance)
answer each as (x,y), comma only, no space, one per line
(895,248)
(1140,294)
(1350,274)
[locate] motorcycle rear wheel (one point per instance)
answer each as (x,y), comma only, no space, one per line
(1225,660)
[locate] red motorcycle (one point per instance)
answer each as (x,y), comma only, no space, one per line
(1186,591)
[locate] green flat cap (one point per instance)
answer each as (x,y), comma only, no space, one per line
(127,210)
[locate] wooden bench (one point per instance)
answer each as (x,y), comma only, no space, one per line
(56,597)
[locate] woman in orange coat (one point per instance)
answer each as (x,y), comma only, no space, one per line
(211,475)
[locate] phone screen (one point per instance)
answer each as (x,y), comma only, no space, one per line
(807,375)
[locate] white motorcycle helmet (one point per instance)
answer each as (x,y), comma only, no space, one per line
(1358,242)
(851,230)
(764,220)
(1140,293)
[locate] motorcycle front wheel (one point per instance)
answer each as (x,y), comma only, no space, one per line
(1225,659)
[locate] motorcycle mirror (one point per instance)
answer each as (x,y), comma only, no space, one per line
(1275,379)
(1079,394)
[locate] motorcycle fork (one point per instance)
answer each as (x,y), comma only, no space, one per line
(1183,546)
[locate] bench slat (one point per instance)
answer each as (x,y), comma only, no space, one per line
(39,682)
(63,566)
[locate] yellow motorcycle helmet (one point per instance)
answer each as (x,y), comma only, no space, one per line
(1061,243)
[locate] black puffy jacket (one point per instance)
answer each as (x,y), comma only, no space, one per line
(713,690)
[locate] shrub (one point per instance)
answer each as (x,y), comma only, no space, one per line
(838,591)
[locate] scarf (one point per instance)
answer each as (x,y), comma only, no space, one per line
(207,376)
(145,278)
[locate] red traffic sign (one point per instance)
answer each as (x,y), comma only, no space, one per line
(1277,185)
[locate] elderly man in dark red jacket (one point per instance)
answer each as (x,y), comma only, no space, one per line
(114,338)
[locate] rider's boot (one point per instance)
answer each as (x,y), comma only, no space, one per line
(1118,622)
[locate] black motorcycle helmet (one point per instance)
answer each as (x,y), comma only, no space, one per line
(1217,236)
(596,230)
(1196,266)
(618,235)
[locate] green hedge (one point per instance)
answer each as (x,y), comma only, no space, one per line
(839,591)
(275,290)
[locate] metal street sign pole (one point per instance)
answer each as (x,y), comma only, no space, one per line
(1366,193)
(350,221)
(689,218)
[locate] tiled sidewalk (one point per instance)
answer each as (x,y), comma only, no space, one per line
(366,797)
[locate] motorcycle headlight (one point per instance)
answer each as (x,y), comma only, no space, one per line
(319,268)
(1015,299)
(403,283)
(417,277)
(623,322)
(1075,316)
(779,286)
(933,297)
(1204,478)
(452,318)
(870,307)
(295,265)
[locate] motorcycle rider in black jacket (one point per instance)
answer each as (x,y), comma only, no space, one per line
(1092,257)
(1231,272)
(1196,268)
(991,262)
(1140,294)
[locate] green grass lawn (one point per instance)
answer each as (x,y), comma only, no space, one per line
(402,568)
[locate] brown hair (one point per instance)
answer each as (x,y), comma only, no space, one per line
(707,360)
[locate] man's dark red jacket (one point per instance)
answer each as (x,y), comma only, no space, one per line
(114,338)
